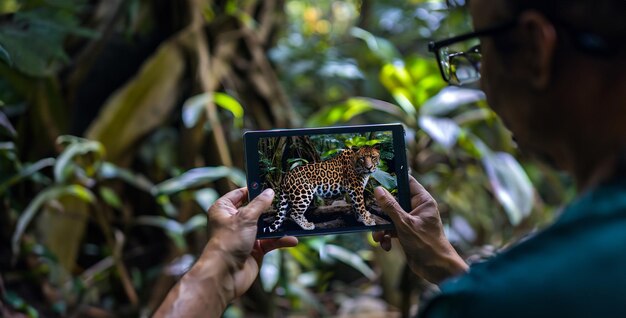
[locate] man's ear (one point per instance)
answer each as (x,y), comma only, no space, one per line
(540,36)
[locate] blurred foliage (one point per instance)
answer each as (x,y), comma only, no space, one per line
(121,122)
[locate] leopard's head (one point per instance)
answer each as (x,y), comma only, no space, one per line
(366,159)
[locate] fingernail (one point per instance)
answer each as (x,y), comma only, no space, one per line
(268,193)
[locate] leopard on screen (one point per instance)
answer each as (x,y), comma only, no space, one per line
(348,172)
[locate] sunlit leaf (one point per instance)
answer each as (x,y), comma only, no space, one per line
(510,184)
(445,131)
(401,97)
(198,221)
(205,197)
(340,113)
(33,207)
(199,176)
(349,258)
(195,106)
(449,99)
(110,197)
(270,271)
(395,76)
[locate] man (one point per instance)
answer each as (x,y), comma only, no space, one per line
(555,72)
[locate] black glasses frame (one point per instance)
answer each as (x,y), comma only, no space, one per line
(435,46)
(590,43)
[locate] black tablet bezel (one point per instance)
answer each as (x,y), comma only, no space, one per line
(254,181)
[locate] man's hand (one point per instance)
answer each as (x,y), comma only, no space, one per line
(230,261)
(420,232)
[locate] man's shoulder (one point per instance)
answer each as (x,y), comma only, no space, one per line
(580,261)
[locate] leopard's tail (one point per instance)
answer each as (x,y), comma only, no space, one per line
(283,206)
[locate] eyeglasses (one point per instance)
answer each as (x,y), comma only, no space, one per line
(459,57)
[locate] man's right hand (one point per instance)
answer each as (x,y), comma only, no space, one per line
(420,232)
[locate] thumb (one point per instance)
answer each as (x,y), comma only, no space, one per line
(389,204)
(261,203)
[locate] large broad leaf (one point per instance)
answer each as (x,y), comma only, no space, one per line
(194,107)
(143,104)
(445,131)
(449,99)
(511,185)
(205,197)
(270,271)
(51,193)
(380,47)
(49,25)
(199,176)
(348,257)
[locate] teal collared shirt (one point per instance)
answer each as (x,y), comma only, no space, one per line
(574,268)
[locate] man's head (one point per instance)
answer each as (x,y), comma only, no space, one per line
(558,77)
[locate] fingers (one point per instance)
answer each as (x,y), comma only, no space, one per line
(272,244)
(389,204)
(261,203)
(262,247)
(419,194)
(236,197)
(384,238)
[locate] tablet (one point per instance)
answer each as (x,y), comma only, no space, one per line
(324,178)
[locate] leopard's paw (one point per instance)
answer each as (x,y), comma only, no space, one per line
(368,221)
(308,226)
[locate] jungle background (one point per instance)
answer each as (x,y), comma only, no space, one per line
(121,122)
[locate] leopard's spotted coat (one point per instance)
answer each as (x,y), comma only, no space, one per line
(347,172)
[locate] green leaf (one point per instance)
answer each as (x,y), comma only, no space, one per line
(232,105)
(385,179)
(110,171)
(110,197)
(510,184)
(198,221)
(174,230)
(49,25)
(6,125)
(144,103)
(349,258)
(194,107)
(380,47)
(205,198)
(199,176)
(26,172)
(63,166)
(339,113)
(270,271)
(33,207)
(449,99)
(445,131)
